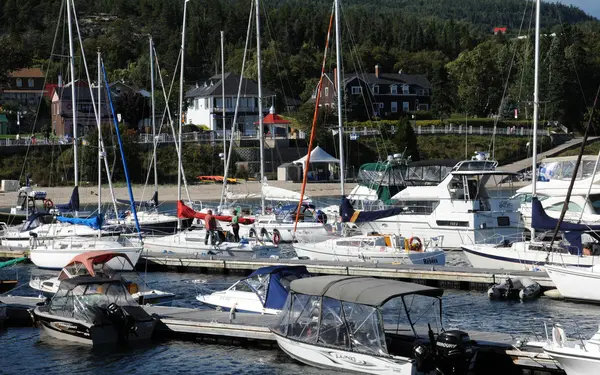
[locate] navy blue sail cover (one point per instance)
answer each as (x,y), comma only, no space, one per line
(350,215)
(279,283)
(541,220)
(73,204)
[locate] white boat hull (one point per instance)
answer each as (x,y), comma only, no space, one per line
(575,361)
(519,257)
(576,283)
(243,302)
(316,231)
(342,360)
(55,257)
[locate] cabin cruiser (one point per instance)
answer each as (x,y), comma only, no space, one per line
(264,291)
(97,264)
(467,206)
(94,311)
(336,322)
(576,357)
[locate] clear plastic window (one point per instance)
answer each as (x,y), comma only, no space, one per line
(365,328)
(260,284)
(332,330)
(304,318)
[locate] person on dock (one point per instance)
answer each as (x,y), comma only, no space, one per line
(211,226)
(235,225)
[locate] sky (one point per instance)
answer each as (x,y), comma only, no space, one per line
(591,7)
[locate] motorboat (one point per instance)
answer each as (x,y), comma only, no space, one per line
(55,254)
(96,264)
(467,206)
(94,311)
(264,291)
(576,357)
(29,202)
(337,322)
(576,283)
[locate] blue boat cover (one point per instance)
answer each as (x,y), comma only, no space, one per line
(153,202)
(277,291)
(73,204)
(94,222)
(349,215)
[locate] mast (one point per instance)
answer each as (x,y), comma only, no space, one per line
(338,56)
(536,104)
(260,112)
(223,100)
(153,115)
(181,110)
(73,104)
(100,149)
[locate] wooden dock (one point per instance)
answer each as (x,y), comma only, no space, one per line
(6,254)
(464,278)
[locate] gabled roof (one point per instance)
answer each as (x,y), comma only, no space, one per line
(27,73)
(212,87)
(390,79)
(81,93)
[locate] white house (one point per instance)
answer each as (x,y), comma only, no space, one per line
(205,104)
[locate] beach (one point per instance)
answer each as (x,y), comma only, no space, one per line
(198,192)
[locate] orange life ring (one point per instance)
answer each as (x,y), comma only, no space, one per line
(276,237)
(415,243)
(48,203)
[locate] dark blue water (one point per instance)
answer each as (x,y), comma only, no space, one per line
(26,351)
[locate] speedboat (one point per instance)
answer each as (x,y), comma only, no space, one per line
(377,248)
(94,311)
(96,264)
(336,322)
(576,357)
(576,283)
(264,291)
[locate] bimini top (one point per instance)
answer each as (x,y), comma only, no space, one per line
(86,280)
(88,259)
(363,290)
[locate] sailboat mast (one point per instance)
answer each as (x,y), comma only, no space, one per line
(260,112)
(73,104)
(99,120)
(153,114)
(536,101)
(181,110)
(338,56)
(223,100)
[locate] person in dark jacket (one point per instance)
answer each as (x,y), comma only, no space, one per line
(210,223)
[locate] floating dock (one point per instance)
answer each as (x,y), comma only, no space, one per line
(464,278)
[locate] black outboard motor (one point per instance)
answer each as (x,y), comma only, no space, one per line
(120,320)
(454,352)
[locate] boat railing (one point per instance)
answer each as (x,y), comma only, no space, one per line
(494,239)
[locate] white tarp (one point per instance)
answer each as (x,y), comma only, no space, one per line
(270,193)
(318,155)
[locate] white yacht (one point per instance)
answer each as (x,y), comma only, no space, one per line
(467,206)
(576,357)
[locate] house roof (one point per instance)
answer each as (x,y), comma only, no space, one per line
(27,73)
(212,87)
(390,79)
(81,93)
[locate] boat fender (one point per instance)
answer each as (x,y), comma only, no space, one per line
(415,243)
(48,203)
(276,237)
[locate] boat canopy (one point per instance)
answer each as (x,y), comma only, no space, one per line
(94,222)
(362,290)
(350,215)
(73,204)
(272,284)
(83,264)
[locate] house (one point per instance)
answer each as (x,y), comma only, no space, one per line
(499,30)
(62,111)
(205,104)
(25,88)
(385,94)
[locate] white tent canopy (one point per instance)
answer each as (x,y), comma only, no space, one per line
(318,155)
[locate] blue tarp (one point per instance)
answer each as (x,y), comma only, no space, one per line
(73,204)
(94,222)
(349,215)
(277,292)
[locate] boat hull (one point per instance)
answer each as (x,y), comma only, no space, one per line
(331,358)
(577,284)
(243,303)
(56,258)
(575,362)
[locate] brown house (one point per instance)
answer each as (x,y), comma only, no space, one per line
(62,111)
(25,88)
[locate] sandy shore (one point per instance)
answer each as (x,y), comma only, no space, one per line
(208,192)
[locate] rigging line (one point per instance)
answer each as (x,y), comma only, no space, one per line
(574,177)
(60,15)
(503,100)
(315,117)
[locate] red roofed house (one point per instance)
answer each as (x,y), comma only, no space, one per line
(500,30)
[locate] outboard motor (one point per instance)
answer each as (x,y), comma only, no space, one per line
(120,320)
(454,352)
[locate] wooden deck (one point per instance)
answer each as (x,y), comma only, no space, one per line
(445,277)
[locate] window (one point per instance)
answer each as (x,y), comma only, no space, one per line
(405,89)
(394,107)
(30,82)
(380,105)
(206,103)
(573,207)
(405,106)
(356,90)
(19,82)
(394,89)
(326,91)
(196,103)
(423,107)
(376,89)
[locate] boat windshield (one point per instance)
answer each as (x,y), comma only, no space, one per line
(329,322)
(88,302)
(260,285)
(420,312)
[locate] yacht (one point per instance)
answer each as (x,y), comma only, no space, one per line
(263,292)
(576,357)
(94,311)
(467,206)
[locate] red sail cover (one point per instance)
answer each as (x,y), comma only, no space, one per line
(185,212)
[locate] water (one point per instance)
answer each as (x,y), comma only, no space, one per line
(27,351)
